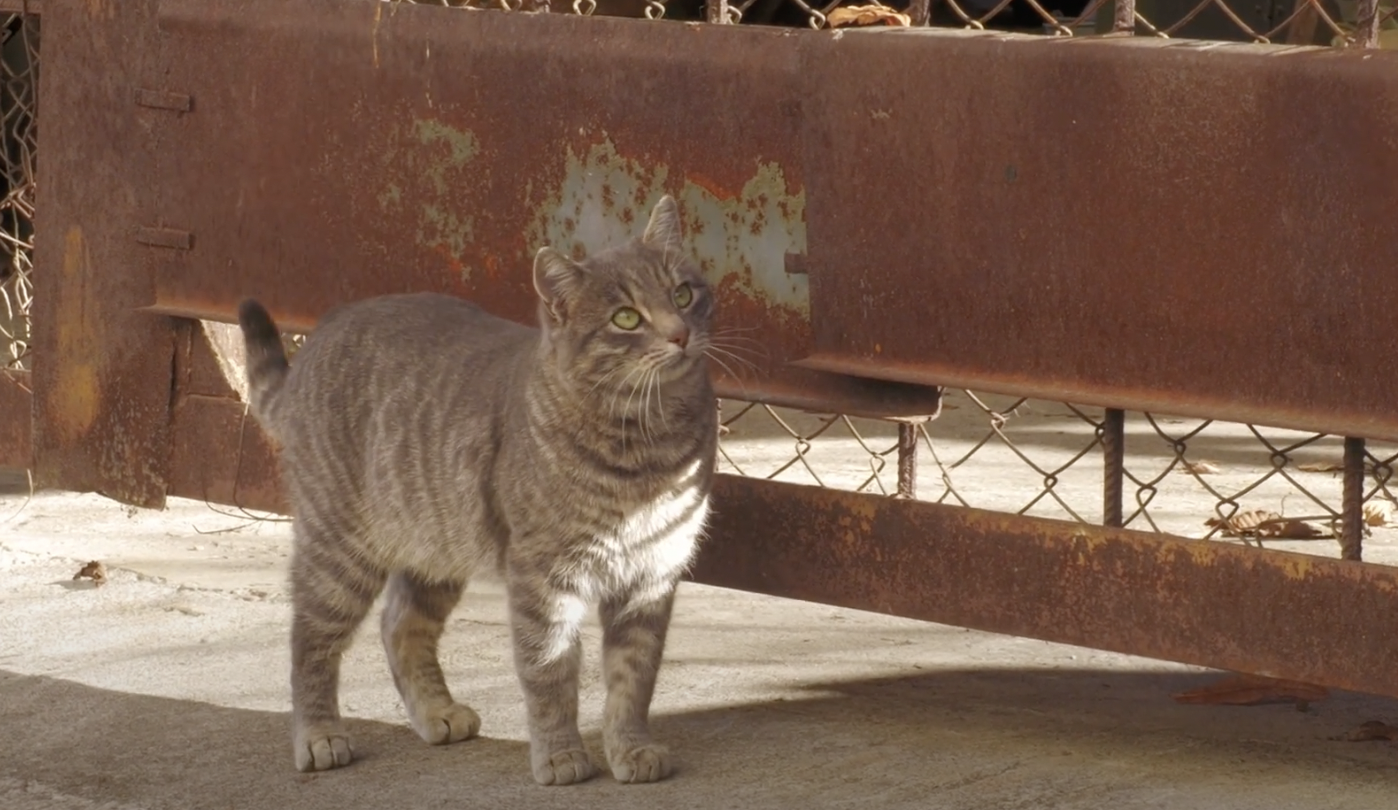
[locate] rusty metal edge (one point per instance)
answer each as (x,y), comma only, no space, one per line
(1313,619)
(16,419)
(797,388)
(930,373)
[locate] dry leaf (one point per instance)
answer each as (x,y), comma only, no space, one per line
(1243,522)
(872,14)
(1252,690)
(95,571)
(1378,513)
(1372,730)
(1321,466)
(1202,467)
(1292,530)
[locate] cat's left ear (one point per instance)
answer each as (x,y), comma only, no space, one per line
(664,230)
(555,278)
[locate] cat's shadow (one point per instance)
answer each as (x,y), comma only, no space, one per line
(909,737)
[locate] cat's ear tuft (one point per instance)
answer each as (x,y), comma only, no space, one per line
(555,277)
(664,229)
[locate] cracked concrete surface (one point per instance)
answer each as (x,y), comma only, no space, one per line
(166,689)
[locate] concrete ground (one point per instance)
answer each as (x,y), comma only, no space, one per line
(167,688)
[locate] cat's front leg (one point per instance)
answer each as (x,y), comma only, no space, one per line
(545,624)
(633,642)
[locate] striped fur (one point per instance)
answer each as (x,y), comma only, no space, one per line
(425,442)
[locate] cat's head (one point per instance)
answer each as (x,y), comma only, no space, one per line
(627,313)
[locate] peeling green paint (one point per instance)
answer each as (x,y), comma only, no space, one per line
(432,159)
(740,240)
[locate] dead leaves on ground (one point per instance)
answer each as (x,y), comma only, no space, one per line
(1201,467)
(95,571)
(1253,690)
(872,14)
(1266,524)
(1320,467)
(1379,513)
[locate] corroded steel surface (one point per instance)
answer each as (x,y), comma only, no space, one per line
(1272,613)
(426,148)
(16,447)
(1265,612)
(1151,225)
(102,372)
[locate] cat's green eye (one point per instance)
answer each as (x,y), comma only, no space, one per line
(684,296)
(626,318)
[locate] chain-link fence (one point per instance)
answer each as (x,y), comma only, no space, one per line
(1305,22)
(19,94)
(1187,477)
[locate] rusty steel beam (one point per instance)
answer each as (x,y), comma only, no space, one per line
(1312,619)
(16,423)
(1153,225)
(102,371)
(382,169)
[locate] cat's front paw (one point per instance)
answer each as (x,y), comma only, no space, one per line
(640,763)
(449,724)
(321,747)
(564,767)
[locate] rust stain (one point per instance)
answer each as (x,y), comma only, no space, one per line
(710,185)
(739,239)
(101,9)
(75,401)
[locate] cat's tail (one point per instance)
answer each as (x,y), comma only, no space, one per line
(267,365)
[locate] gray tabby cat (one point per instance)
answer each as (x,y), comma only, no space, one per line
(424,441)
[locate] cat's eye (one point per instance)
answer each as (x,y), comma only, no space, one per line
(626,318)
(684,296)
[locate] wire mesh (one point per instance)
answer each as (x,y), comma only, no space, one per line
(19,59)
(1308,22)
(1188,477)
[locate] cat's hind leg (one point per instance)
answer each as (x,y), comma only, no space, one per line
(413,619)
(332,589)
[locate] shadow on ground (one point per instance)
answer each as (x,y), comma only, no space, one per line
(956,739)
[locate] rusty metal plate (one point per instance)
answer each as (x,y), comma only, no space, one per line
(102,374)
(16,401)
(1273,613)
(1194,229)
(424,148)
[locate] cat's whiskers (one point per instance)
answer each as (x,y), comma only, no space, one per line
(601,380)
(713,348)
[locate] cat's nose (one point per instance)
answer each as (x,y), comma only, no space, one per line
(680,337)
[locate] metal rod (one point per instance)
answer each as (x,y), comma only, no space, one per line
(716,11)
(1366,24)
(1124,17)
(907,460)
(1113,465)
(1352,508)
(920,12)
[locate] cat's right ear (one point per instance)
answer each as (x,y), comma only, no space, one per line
(555,278)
